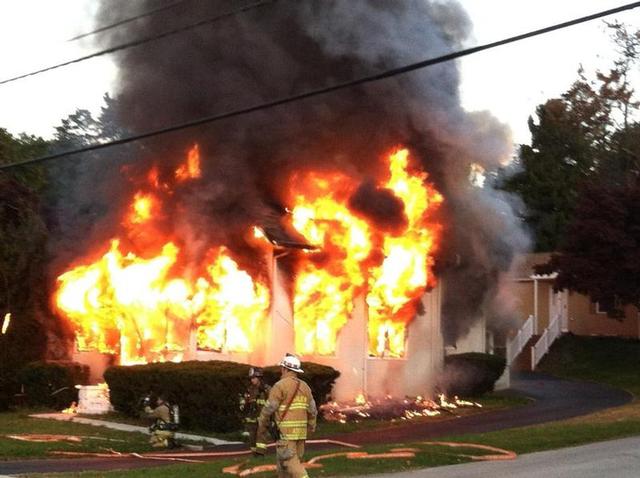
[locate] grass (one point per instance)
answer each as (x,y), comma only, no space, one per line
(606,360)
(610,361)
(94,439)
(100,439)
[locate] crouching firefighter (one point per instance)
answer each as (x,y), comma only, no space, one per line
(251,403)
(167,419)
(294,412)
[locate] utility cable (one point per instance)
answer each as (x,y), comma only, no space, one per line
(128,20)
(321,91)
(142,41)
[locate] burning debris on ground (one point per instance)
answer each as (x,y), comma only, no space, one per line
(392,409)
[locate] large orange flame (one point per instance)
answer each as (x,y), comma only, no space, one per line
(143,310)
(408,258)
(327,283)
(346,265)
(144,304)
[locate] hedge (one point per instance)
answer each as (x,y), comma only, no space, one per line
(471,374)
(206,391)
(7,386)
(52,384)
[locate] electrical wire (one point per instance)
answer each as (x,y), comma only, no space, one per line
(128,20)
(142,41)
(322,91)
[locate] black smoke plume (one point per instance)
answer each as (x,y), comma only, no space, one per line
(290,47)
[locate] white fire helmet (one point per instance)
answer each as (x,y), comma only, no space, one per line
(291,362)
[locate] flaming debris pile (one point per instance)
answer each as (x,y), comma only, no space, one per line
(391,408)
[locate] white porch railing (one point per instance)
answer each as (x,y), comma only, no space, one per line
(515,346)
(543,344)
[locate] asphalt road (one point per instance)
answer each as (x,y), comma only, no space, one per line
(616,458)
(554,399)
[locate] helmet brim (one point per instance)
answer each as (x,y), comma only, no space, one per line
(293,369)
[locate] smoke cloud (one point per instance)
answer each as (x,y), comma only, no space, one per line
(286,48)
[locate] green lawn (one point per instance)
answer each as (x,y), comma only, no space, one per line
(99,439)
(611,361)
(93,439)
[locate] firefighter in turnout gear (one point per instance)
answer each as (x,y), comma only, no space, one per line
(251,403)
(294,410)
(163,430)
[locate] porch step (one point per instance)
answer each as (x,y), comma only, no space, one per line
(522,362)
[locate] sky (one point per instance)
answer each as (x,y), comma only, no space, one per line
(509,81)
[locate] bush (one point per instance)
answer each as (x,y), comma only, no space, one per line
(7,385)
(207,392)
(471,374)
(52,384)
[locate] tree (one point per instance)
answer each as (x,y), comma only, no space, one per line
(22,259)
(561,156)
(588,132)
(600,256)
(599,253)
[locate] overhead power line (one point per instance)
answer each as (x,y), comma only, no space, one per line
(128,20)
(142,41)
(322,91)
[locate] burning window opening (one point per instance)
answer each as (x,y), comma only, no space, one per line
(345,265)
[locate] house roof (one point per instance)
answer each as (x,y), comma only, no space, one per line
(280,232)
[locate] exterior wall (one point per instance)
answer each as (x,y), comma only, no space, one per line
(544,288)
(413,375)
(524,299)
(474,341)
(584,321)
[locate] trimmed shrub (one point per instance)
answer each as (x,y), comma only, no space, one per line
(471,374)
(207,392)
(52,384)
(7,385)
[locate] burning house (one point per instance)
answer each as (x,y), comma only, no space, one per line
(326,227)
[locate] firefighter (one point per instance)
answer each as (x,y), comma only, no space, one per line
(164,426)
(292,403)
(251,403)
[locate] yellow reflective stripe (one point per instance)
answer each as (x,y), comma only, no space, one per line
(261,445)
(296,406)
(294,435)
(293,423)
